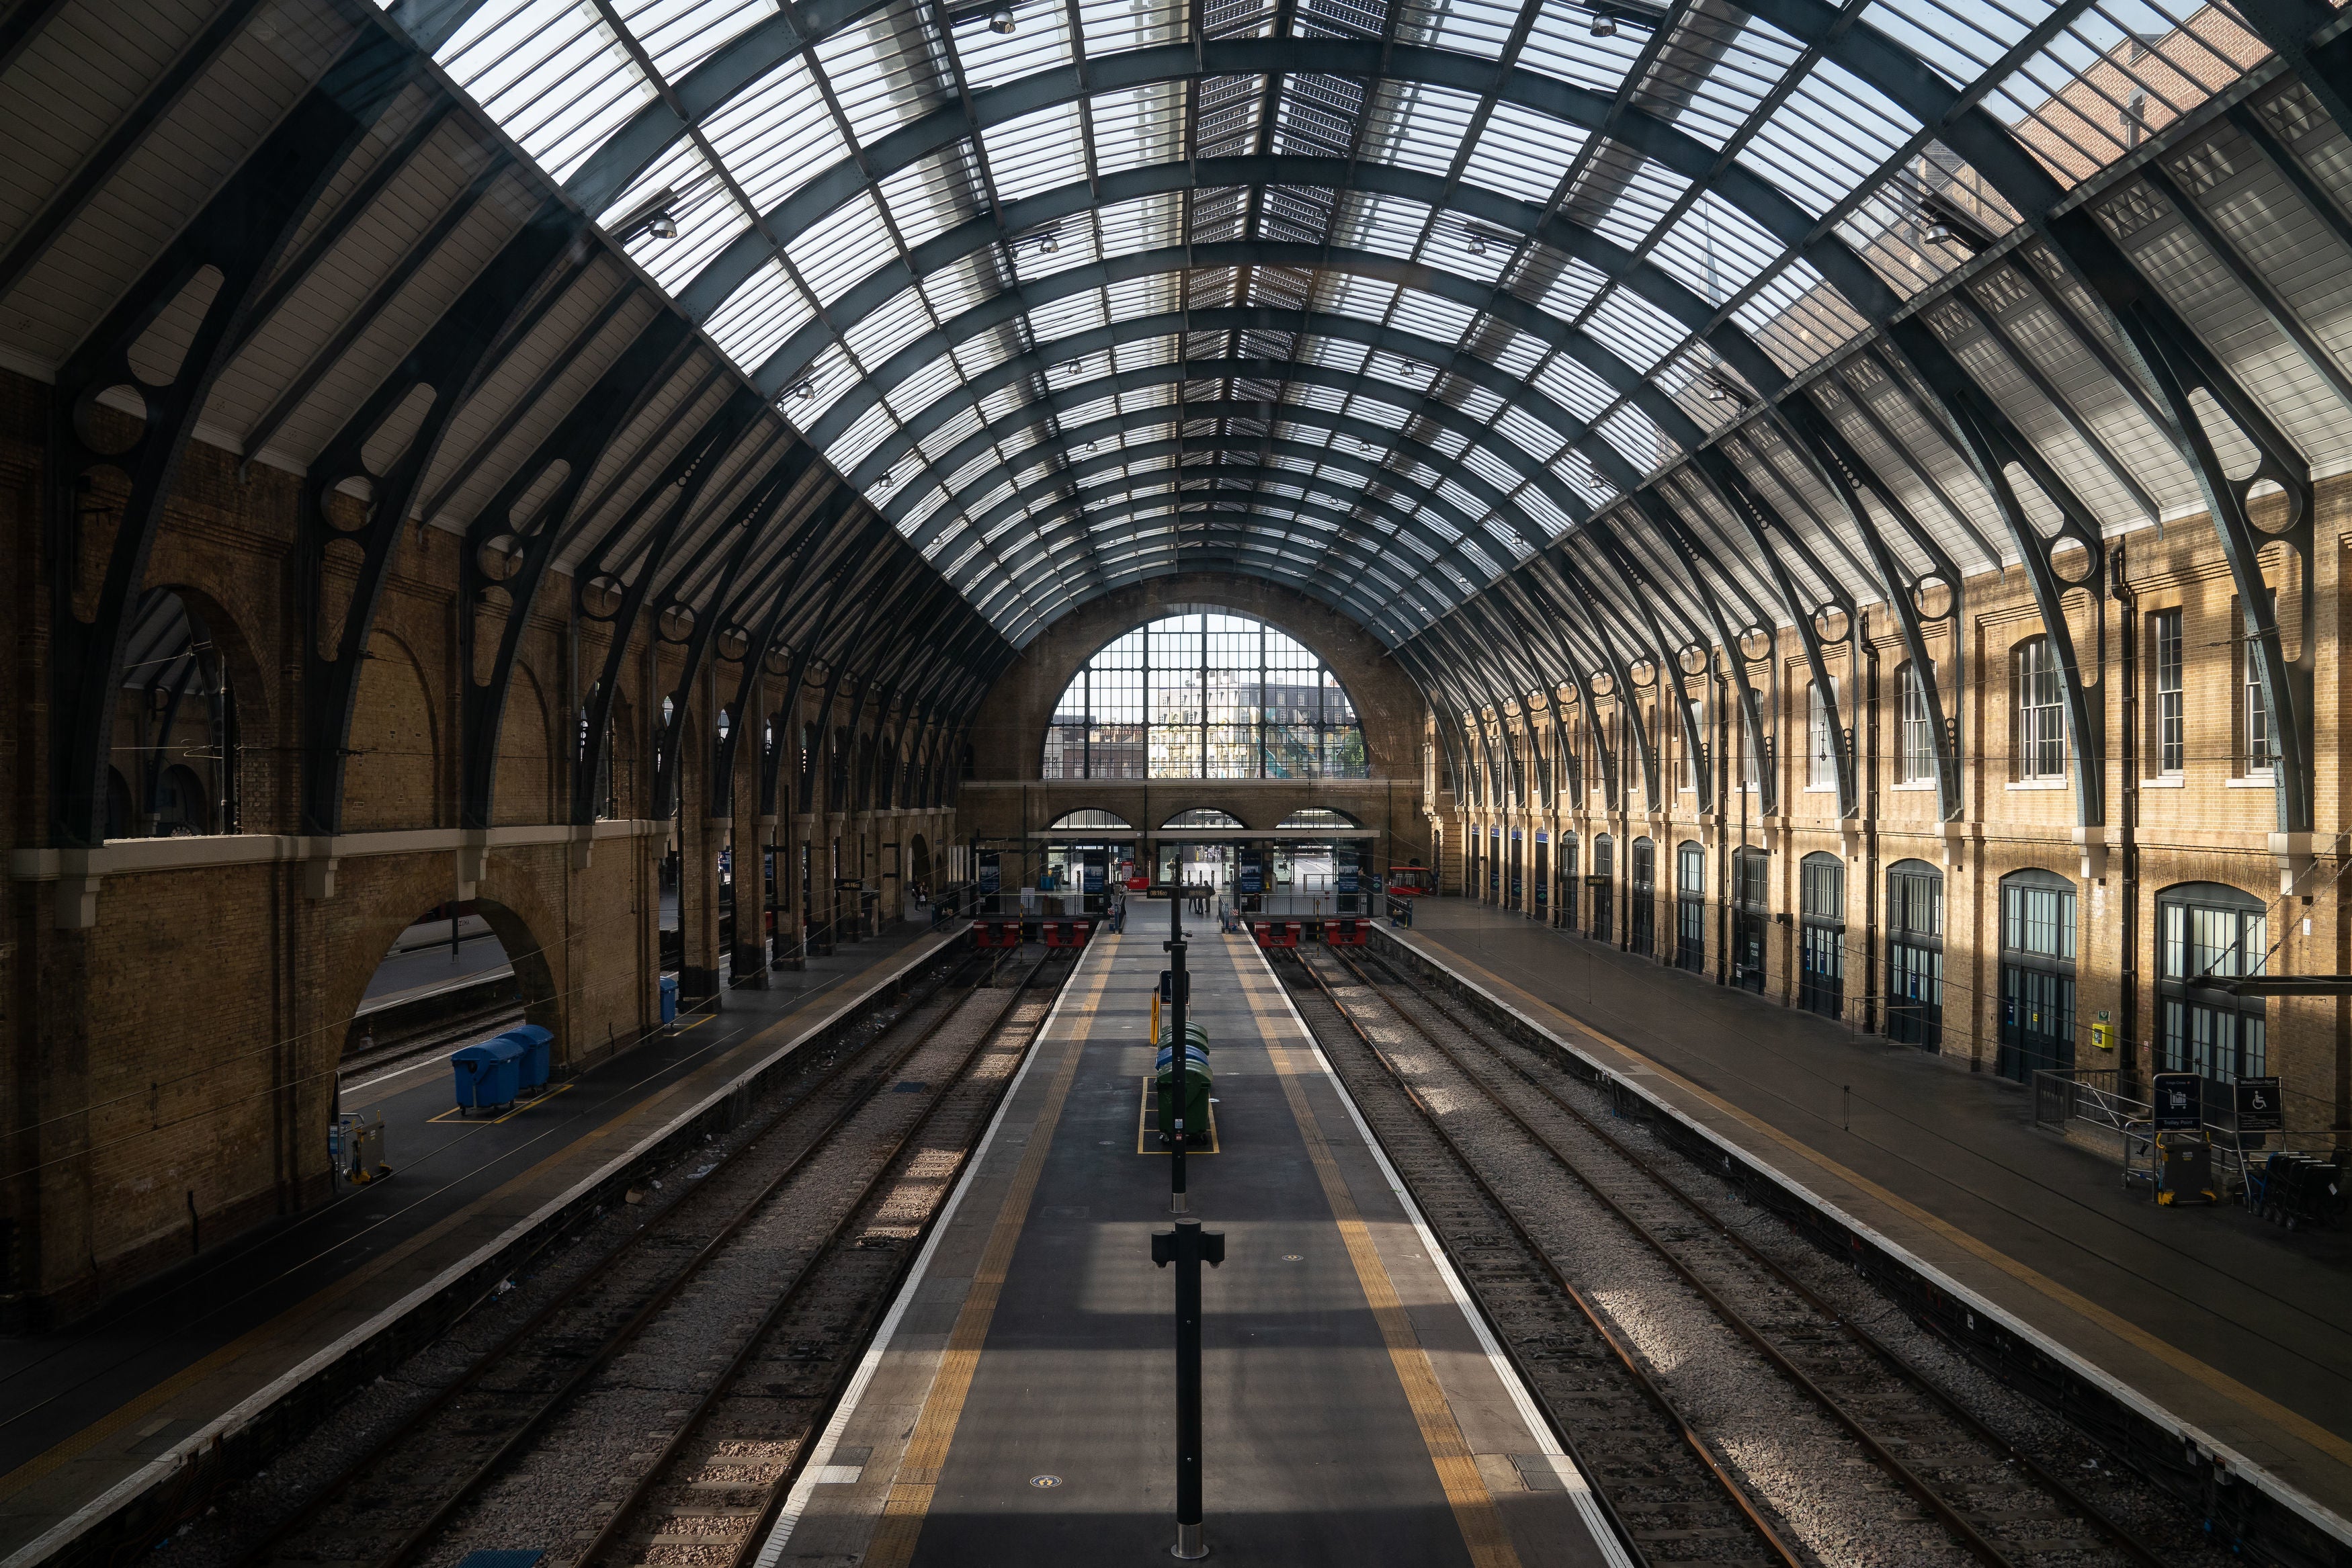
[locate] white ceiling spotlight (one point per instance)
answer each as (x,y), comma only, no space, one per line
(1000,19)
(661,226)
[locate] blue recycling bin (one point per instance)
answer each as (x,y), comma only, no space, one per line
(669,998)
(487,1075)
(537,1049)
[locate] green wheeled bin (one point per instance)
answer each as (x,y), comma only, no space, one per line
(1184,1086)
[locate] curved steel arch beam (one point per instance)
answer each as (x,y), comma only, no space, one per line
(1364,430)
(1015,303)
(1168,563)
(1370,473)
(1078,394)
(1645,278)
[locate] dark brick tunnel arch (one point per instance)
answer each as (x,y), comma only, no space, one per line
(1009,738)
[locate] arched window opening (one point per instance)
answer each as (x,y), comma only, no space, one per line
(1204,695)
(1690,906)
(1604,891)
(1642,910)
(1820,736)
(2208,932)
(1915,954)
(1319,817)
(1751,914)
(1090,817)
(2039,743)
(2037,974)
(1201,817)
(1916,755)
(1821,973)
(175,731)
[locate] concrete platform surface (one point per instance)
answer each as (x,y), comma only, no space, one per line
(85,1407)
(1018,1405)
(2234,1327)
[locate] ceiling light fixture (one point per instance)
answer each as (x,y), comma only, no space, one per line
(1072,366)
(1477,242)
(1000,19)
(803,391)
(1938,233)
(661,226)
(1605,26)
(1048,245)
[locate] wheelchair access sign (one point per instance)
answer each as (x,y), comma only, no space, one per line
(2261,1108)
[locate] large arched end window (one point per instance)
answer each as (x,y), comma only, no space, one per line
(2037,974)
(2208,932)
(1206,694)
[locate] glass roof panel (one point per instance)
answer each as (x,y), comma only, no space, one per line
(1701,102)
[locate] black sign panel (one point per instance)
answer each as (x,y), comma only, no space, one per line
(2260,1107)
(2180,1103)
(1168,986)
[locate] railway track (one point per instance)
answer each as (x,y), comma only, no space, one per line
(1922,1477)
(738,1299)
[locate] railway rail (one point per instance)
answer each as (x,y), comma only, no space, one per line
(765,1273)
(1469,1110)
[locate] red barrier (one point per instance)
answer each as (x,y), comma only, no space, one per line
(1276,932)
(1069,932)
(1344,933)
(992,934)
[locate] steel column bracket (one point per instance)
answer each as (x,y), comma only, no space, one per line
(2176,364)
(238,238)
(1761,520)
(1983,437)
(1816,435)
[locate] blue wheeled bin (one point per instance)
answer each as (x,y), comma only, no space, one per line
(487,1074)
(669,998)
(537,1049)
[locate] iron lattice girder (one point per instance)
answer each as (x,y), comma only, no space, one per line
(1688,552)
(1668,674)
(829,510)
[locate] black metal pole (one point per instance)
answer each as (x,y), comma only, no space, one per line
(1176,1062)
(1188,1247)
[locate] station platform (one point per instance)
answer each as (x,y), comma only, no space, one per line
(86,1409)
(2234,1327)
(1017,1405)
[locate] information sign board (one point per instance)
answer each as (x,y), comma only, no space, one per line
(2260,1107)
(2179,1102)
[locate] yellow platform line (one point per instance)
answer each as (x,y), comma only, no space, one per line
(909,1502)
(1481,1522)
(2259,1405)
(457,1113)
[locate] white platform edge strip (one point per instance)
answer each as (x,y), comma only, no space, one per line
(1563,1464)
(820,1460)
(256,1404)
(2240,1466)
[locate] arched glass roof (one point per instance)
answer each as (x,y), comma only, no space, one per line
(1379,299)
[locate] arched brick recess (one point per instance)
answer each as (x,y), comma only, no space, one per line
(525,777)
(1009,738)
(390,777)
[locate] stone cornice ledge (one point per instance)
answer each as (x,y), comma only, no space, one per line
(77,871)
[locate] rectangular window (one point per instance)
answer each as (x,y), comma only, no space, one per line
(2164,637)
(1690,758)
(1821,738)
(1918,752)
(2258,719)
(2041,712)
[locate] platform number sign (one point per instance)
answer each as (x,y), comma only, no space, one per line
(2260,1107)
(2179,1106)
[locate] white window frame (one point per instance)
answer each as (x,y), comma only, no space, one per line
(1916,759)
(1821,738)
(2041,699)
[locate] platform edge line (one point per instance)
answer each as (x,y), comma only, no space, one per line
(2312,1512)
(1570,1470)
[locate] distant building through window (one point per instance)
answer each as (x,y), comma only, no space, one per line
(1205,696)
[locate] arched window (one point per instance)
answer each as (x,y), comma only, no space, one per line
(2039,743)
(2037,974)
(1201,817)
(1204,695)
(2206,932)
(1751,913)
(1604,891)
(1641,908)
(1820,736)
(1319,817)
(1915,756)
(1090,817)
(1820,975)
(1915,954)
(1690,906)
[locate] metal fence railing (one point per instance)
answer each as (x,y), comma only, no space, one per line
(2243,1164)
